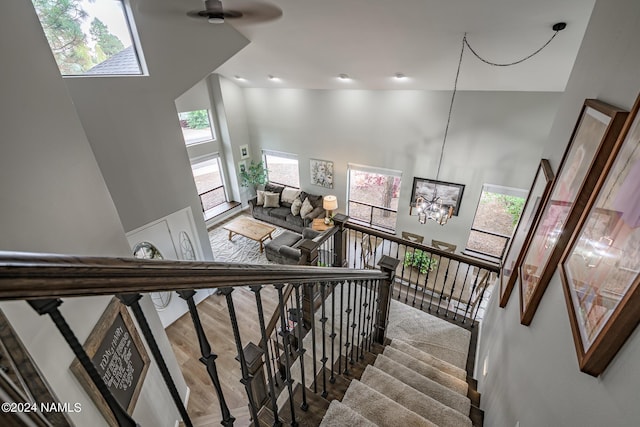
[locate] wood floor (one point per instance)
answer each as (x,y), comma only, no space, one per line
(203,404)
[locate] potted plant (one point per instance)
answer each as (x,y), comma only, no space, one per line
(421,260)
(255,174)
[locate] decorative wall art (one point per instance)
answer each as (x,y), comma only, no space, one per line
(538,194)
(593,138)
(450,193)
(242,166)
(116,350)
(244,151)
(601,268)
(321,173)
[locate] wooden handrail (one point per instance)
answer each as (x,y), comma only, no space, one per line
(457,257)
(33,276)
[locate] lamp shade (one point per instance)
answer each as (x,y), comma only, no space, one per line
(330,203)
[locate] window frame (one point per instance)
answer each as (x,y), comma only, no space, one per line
(518,192)
(201,160)
(282,155)
(378,171)
(211,127)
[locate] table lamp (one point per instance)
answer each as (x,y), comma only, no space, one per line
(329,204)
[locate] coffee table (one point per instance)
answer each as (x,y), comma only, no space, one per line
(250,229)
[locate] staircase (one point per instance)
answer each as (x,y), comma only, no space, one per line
(417,379)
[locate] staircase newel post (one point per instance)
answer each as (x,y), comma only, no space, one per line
(133,301)
(387,265)
(340,241)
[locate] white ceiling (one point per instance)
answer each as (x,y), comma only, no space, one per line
(372,40)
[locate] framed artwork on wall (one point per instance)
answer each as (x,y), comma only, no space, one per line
(450,193)
(117,352)
(242,166)
(593,138)
(321,173)
(538,194)
(244,151)
(600,269)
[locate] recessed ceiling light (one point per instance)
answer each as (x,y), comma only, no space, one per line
(274,78)
(239,78)
(400,76)
(344,77)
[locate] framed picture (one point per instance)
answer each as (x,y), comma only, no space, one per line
(538,194)
(593,137)
(242,166)
(244,151)
(116,350)
(321,173)
(600,269)
(448,192)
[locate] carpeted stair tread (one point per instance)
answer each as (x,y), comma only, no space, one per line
(412,399)
(435,374)
(340,415)
(429,359)
(379,409)
(428,333)
(423,384)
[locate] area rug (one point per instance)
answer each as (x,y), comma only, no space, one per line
(239,249)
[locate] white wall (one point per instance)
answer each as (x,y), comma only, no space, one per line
(132,122)
(533,371)
(53,198)
(494,137)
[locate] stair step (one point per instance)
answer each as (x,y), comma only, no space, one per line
(425,385)
(435,374)
(474,396)
(378,408)
(337,389)
(412,399)
(477,416)
(317,407)
(340,415)
(427,358)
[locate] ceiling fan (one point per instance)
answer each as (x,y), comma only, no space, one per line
(250,12)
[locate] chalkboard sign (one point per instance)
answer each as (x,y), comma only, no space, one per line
(119,356)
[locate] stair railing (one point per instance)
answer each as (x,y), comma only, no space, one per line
(43,279)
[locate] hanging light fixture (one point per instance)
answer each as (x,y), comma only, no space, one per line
(433,209)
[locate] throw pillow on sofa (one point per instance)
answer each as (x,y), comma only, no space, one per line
(306,208)
(289,195)
(296,206)
(271,200)
(260,194)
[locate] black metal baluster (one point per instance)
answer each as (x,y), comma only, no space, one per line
(444,284)
(464,283)
(354,324)
(265,348)
(480,297)
(435,280)
(340,338)
(50,307)
(273,361)
(208,358)
(132,300)
(362,307)
(473,288)
(346,343)
(376,295)
(246,378)
(453,288)
(415,291)
(368,318)
(312,316)
(332,378)
(301,350)
(323,322)
(286,340)
(402,262)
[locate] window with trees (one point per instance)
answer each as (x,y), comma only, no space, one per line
(497,214)
(89,37)
(373,196)
(282,168)
(196,126)
(207,174)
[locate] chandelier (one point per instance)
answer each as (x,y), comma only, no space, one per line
(433,209)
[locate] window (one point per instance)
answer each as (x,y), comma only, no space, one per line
(196,126)
(282,168)
(89,38)
(209,181)
(497,214)
(373,196)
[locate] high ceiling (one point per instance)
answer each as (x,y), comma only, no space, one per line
(372,40)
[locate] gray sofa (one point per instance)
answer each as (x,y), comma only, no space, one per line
(282,215)
(284,248)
